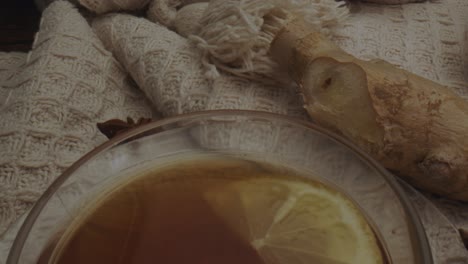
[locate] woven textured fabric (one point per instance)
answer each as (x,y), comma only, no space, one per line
(165,11)
(428,39)
(393,2)
(51,102)
(10,62)
(187,20)
(104,6)
(169,69)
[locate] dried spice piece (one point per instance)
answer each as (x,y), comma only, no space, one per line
(464,237)
(113,127)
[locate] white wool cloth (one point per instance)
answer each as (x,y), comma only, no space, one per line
(168,68)
(50,102)
(105,6)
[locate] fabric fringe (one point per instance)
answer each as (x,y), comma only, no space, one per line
(235,35)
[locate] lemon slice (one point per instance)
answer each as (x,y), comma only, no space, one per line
(291,222)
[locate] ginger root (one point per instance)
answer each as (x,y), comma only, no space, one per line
(413,126)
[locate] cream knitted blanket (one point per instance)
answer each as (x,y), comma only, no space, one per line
(76,76)
(50,101)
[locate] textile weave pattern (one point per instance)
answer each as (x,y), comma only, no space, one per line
(9,63)
(169,69)
(67,83)
(104,6)
(428,39)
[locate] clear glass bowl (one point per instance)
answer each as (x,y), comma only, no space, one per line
(255,136)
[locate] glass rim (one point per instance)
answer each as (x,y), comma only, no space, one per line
(414,223)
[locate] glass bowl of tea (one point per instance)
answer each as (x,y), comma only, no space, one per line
(223,187)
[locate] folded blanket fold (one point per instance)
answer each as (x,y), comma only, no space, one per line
(169,70)
(54,99)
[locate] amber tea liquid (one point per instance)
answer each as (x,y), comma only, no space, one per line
(159,217)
